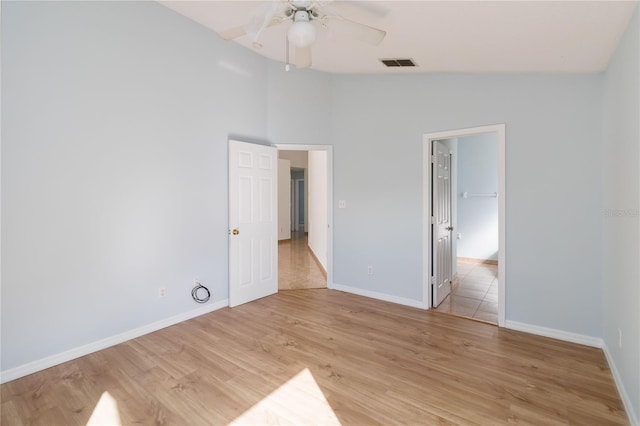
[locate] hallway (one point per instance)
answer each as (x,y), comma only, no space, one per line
(298,269)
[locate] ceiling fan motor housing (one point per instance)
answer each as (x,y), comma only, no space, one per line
(301,33)
(301,16)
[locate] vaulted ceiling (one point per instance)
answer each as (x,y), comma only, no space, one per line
(445,36)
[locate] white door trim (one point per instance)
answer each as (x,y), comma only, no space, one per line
(329,150)
(499,129)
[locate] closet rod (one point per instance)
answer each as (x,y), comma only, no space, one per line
(467,195)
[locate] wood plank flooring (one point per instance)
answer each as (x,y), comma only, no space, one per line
(321,357)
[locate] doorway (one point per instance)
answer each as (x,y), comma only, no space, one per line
(298,201)
(464,222)
(305,255)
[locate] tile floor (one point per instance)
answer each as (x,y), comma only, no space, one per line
(475,293)
(297,268)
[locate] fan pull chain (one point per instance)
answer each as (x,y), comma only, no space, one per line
(287,67)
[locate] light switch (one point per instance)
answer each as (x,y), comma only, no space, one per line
(342,204)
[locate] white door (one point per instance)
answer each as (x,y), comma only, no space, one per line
(442,261)
(253,222)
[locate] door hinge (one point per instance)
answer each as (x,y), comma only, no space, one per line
(433,280)
(433,220)
(434,158)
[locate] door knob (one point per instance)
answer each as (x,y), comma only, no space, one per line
(449,228)
(235,231)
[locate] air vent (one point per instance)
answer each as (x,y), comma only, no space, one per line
(398,62)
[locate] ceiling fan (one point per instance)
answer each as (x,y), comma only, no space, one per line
(305,15)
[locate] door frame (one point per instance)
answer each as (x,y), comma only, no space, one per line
(329,151)
(499,129)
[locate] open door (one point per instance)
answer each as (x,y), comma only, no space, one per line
(253,222)
(442,263)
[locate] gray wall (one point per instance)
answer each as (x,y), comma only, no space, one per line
(620,209)
(477,217)
(378,124)
(115,120)
(299,106)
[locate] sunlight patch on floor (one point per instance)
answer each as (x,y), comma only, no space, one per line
(105,413)
(298,401)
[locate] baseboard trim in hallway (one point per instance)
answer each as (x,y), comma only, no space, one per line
(318,263)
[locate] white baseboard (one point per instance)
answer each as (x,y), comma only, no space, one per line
(50,361)
(626,401)
(380,296)
(567,336)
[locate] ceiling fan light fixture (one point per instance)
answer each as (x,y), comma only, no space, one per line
(301,33)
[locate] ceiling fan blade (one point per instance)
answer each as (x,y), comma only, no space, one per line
(303,57)
(356,30)
(232,33)
(267,15)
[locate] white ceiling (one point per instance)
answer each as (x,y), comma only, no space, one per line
(447,36)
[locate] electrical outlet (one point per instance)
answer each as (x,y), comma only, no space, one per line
(162,292)
(342,204)
(620,338)
(369,270)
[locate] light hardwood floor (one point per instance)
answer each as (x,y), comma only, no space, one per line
(320,357)
(297,267)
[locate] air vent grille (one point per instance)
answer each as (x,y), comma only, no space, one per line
(398,62)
